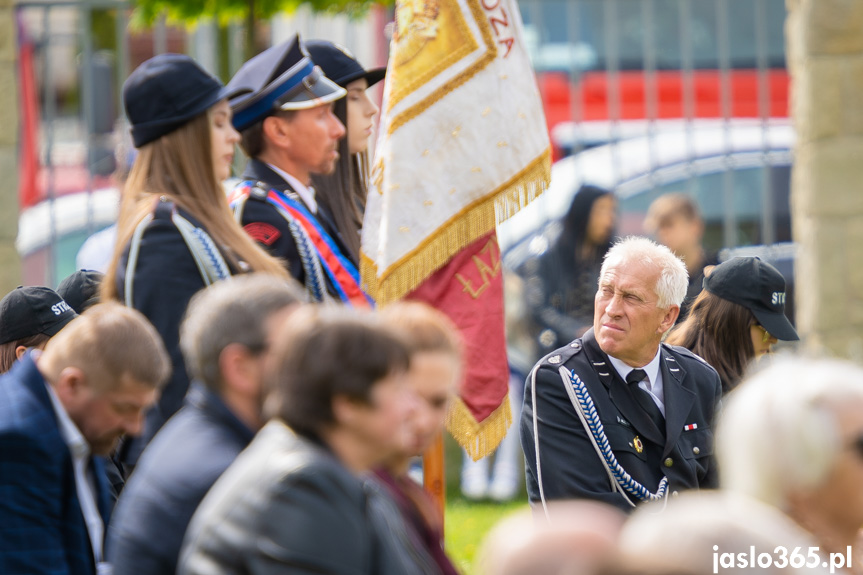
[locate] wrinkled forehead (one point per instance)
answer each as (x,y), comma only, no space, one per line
(630,275)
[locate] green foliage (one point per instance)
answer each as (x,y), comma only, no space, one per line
(188,12)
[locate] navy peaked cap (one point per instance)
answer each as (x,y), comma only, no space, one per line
(280,78)
(340,65)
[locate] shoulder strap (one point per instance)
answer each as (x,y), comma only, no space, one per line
(208,259)
(315,282)
(132,262)
(328,258)
(584,407)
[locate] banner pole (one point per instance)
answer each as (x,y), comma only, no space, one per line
(434,478)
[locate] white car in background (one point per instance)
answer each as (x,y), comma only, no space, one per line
(738,171)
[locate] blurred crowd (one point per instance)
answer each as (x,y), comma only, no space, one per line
(221,398)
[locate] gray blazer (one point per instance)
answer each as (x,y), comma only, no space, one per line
(287,505)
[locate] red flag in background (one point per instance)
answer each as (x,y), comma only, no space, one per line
(29,193)
(463,146)
(469,289)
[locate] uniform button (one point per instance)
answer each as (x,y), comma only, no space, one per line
(669,462)
(696,451)
(674,494)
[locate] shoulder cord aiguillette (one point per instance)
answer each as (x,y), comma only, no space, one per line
(620,480)
(211,265)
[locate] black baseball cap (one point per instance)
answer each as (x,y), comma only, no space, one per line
(166,92)
(757,286)
(81,289)
(340,65)
(31,310)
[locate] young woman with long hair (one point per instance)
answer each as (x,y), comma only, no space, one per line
(737,317)
(344,191)
(176,233)
(561,282)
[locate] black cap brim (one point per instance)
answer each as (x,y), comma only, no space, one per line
(55,327)
(776,325)
(372,76)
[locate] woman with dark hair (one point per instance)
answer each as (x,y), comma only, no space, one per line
(344,191)
(561,283)
(737,318)
(29,317)
(176,233)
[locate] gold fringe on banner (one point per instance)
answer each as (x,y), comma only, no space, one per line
(478,438)
(461,230)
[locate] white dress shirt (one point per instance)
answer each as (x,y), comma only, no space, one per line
(652,384)
(84,481)
(306,193)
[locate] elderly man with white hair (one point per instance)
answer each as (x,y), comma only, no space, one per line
(617,416)
(792,436)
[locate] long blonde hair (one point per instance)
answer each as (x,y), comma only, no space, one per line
(179,166)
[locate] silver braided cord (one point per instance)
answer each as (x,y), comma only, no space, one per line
(208,258)
(585,406)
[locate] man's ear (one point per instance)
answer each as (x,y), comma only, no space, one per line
(275,132)
(238,370)
(71,385)
(668,320)
(19,351)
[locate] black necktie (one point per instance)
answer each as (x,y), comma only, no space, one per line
(644,399)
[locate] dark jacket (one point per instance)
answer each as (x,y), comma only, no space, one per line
(287,505)
(166,278)
(571,468)
(42,527)
(270,229)
(180,465)
(696,283)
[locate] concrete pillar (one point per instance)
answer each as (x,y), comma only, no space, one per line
(10,263)
(825,58)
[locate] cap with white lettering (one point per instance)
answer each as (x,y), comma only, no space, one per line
(33,310)
(757,286)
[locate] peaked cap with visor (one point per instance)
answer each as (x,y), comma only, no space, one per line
(283,77)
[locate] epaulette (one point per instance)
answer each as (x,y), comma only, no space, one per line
(563,354)
(259,192)
(686,353)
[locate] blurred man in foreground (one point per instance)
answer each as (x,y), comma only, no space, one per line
(791,435)
(59,409)
(228,330)
(293,501)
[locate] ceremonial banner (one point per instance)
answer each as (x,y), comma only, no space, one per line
(463,145)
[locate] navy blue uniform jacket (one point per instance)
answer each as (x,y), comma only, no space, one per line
(166,278)
(175,472)
(42,528)
(276,236)
(571,468)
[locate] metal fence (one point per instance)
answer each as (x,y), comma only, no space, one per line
(652,96)
(642,96)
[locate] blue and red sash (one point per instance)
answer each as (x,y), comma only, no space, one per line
(343,274)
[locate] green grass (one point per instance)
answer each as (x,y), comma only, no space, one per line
(467,523)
